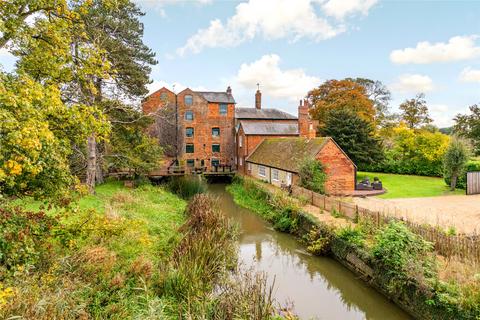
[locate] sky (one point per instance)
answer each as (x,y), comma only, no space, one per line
(292,46)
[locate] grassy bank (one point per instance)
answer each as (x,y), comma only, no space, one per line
(409,186)
(125,254)
(393,259)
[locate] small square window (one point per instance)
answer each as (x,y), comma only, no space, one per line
(188,99)
(191,162)
(223,107)
(189,132)
(189,115)
(215,162)
(215,132)
(215,147)
(189,148)
(261,171)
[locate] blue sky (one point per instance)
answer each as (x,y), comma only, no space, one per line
(291,46)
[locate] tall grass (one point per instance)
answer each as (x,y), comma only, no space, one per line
(187,186)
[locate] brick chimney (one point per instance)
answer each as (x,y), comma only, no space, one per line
(306,127)
(258,99)
(229,90)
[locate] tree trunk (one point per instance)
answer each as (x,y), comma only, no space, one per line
(91,163)
(453,182)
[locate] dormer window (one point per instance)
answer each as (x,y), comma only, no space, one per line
(188,99)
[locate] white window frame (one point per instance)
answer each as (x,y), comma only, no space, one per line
(277,173)
(240,141)
(260,169)
(249,166)
(240,161)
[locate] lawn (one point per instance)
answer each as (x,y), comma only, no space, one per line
(409,186)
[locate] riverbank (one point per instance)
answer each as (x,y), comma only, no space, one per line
(123,253)
(394,260)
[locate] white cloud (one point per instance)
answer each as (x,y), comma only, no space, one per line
(4,52)
(470,75)
(291,84)
(413,83)
(457,48)
(442,115)
(272,19)
(342,8)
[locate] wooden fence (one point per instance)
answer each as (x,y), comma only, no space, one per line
(473,182)
(463,246)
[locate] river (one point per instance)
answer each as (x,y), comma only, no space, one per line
(318,287)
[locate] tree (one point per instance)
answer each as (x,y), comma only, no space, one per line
(354,135)
(468,126)
(415,111)
(312,175)
(454,161)
(340,94)
(380,95)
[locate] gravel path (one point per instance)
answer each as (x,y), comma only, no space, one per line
(458,211)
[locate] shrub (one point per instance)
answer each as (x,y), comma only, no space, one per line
(454,161)
(24,237)
(312,175)
(319,240)
(472,165)
(405,257)
(354,236)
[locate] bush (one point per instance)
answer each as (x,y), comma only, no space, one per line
(472,165)
(405,256)
(319,240)
(353,236)
(454,161)
(312,175)
(187,186)
(24,237)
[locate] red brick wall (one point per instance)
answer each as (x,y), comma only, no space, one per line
(155,101)
(206,117)
(339,169)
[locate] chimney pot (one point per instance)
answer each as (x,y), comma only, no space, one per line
(229,90)
(258,99)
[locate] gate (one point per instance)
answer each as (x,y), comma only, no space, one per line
(473,182)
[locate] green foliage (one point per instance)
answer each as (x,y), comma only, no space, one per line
(24,238)
(354,135)
(413,151)
(406,257)
(454,161)
(414,112)
(471,165)
(312,175)
(319,240)
(187,186)
(468,126)
(353,236)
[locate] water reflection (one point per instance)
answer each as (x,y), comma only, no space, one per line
(319,288)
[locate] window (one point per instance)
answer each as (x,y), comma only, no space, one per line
(188,99)
(215,132)
(189,132)
(223,107)
(261,171)
(240,140)
(189,115)
(215,162)
(191,162)
(163,96)
(275,174)
(249,166)
(240,161)
(215,147)
(189,148)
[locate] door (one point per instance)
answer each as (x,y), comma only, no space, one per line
(473,182)
(289,178)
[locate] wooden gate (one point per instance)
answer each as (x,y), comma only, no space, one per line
(473,182)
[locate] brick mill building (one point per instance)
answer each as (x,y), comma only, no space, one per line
(204,130)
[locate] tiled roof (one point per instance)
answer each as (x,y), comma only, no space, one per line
(286,153)
(269,128)
(265,114)
(219,97)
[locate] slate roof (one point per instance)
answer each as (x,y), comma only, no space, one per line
(264,114)
(286,153)
(269,128)
(219,97)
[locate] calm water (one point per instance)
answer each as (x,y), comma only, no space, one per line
(319,288)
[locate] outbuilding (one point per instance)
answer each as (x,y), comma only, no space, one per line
(278,160)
